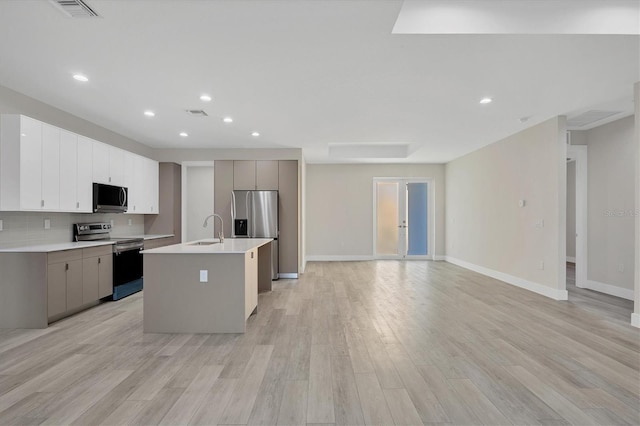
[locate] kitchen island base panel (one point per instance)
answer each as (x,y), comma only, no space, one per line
(23,290)
(175,301)
(264,267)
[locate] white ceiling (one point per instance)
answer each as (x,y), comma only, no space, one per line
(303,73)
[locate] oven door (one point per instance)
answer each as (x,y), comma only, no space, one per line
(127,273)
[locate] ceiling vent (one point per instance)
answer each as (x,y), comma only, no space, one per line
(197,113)
(75,8)
(590,117)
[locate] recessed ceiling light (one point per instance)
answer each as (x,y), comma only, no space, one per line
(184,134)
(149,113)
(486,100)
(205,98)
(81,78)
(228,120)
(255,134)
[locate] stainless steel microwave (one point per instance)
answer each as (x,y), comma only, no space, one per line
(109,198)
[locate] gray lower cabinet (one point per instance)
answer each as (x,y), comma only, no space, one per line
(105,276)
(56,289)
(64,281)
(77,278)
(74,284)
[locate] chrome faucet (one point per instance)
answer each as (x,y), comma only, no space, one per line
(221,233)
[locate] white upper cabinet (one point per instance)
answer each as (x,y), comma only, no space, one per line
(108,164)
(76,173)
(29,164)
(68,171)
(100,162)
(85,175)
(152,182)
(50,167)
(143,191)
(116,169)
(45,168)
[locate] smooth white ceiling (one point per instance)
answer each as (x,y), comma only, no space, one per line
(305,74)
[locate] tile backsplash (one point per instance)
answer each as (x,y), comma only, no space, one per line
(27,228)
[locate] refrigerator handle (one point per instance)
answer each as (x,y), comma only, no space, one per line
(250,218)
(233,208)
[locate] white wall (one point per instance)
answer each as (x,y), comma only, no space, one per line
(571,210)
(339,206)
(199,203)
(611,207)
(485,227)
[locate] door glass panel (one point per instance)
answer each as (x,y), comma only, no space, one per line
(387,220)
(417,218)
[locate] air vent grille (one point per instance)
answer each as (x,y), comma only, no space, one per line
(197,112)
(590,117)
(75,8)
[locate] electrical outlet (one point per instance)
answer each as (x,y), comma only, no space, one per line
(540,223)
(620,267)
(47,224)
(541,265)
(204,276)
(1,225)
(129,221)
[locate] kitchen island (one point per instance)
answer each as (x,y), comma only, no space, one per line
(205,286)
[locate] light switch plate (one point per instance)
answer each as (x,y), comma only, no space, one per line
(47,224)
(129,222)
(204,276)
(1,225)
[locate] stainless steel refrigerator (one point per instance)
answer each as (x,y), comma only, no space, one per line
(254,214)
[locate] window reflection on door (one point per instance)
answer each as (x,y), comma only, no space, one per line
(387,220)
(401,218)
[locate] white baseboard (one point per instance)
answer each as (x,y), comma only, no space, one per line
(609,289)
(288,275)
(635,320)
(339,258)
(571,259)
(513,280)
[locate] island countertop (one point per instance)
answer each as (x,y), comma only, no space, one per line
(229,246)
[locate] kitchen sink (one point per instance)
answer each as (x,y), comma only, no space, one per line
(204,243)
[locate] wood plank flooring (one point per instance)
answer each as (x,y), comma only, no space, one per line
(380,342)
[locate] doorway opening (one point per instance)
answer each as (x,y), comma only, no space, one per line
(403,218)
(577,249)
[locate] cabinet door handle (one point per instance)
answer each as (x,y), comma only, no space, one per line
(41,203)
(66,266)
(77,204)
(99,260)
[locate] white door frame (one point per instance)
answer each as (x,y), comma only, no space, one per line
(578,153)
(431,234)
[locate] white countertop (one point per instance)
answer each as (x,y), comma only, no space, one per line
(145,237)
(47,248)
(229,246)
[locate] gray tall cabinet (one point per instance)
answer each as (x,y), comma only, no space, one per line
(281,175)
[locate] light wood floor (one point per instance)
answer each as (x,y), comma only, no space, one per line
(350,343)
